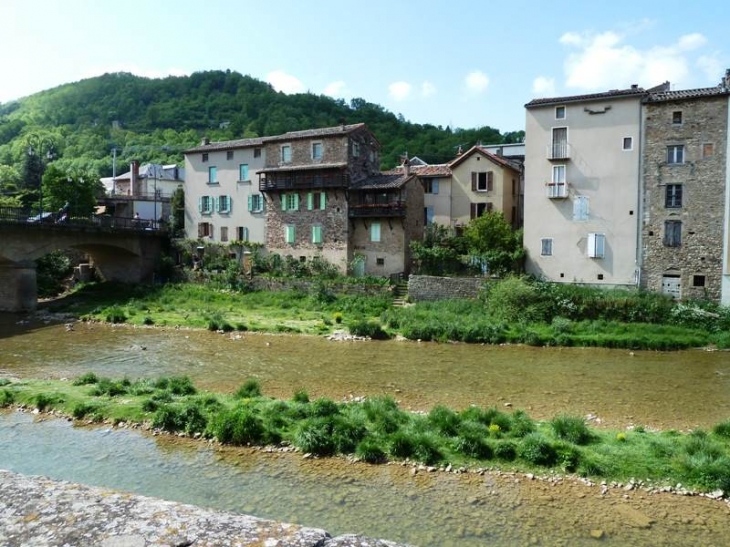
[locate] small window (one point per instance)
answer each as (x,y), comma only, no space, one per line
(256,203)
(285,153)
(212,175)
(708,150)
(596,245)
(427,215)
(289,234)
(677,117)
(205,205)
(675,154)
(243,172)
(559,112)
(316,200)
(546,246)
(316,150)
(224,204)
(375,232)
(256,152)
(316,234)
(673,197)
(431,186)
(229,155)
(242,233)
(581,208)
(628,143)
(380,261)
(205,229)
(698,280)
(290,202)
(482,181)
(205,157)
(673,233)
(224,233)
(355,149)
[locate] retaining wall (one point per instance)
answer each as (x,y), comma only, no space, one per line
(423,288)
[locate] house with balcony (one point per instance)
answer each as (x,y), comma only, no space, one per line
(581,190)
(223,202)
(685,195)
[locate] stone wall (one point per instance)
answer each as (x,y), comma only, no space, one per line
(428,288)
(44,513)
(703,133)
(276,285)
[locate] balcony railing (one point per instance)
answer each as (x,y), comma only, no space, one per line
(557,190)
(395,209)
(139,196)
(558,151)
(296,181)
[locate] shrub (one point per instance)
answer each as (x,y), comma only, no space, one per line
(572,429)
(44,400)
(505,450)
(370,329)
(537,450)
(323,407)
(88,378)
(722,429)
(81,410)
(400,445)
(6,398)
(148,321)
(4,382)
(250,389)
(383,414)
(112,388)
(472,442)
(300,396)
(314,436)
(237,426)
(150,405)
(347,434)
(445,420)
(115,314)
(368,450)
(522,424)
(567,457)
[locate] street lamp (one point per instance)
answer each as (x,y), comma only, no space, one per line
(38,146)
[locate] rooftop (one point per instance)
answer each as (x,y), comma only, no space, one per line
(227,145)
(384,181)
(633,91)
(321,132)
(666,95)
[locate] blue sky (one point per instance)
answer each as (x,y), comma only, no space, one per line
(458,63)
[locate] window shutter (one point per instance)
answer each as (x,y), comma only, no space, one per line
(322,200)
(435,186)
(473,183)
(250,203)
(600,245)
(200,206)
(310,201)
(245,233)
(283,201)
(473,209)
(490,181)
(229,204)
(262,202)
(296,202)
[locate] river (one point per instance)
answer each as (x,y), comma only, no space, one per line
(678,390)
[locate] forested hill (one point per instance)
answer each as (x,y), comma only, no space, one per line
(153,120)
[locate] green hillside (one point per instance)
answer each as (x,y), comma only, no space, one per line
(153,120)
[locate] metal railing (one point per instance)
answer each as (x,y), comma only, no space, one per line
(26,217)
(294,181)
(141,196)
(559,150)
(557,190)
(396,209)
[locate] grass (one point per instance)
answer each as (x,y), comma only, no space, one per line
(375,430)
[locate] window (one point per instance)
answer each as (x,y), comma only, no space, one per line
(316,150)
(290,202)
(675,153)
(224,204)
(256,203)
(355,149)
(482,181)
(256,152)
(205,157)
(673,198)
(559,146)
(375,232)
(212,175)
(673,233)
(242,233)
(478,209)
(431,186)
(546,246)
(243,172)
(559,112)
(428,215)
(596,245)
(229,155)
(205,205)
(316,234)
(285,153)
(628,143)
(580,208)
(316,200)
(708,149)
(205,229)
(677,117)
(698,280)
(289,234)
(379,261)
(224,233)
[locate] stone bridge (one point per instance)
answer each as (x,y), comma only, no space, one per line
(125,252)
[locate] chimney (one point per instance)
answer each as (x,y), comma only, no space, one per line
(133,176)
(406,164)
(205,141)
(634,87)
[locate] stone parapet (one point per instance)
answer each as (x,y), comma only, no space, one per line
(423,288)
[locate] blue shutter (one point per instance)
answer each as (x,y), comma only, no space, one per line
(310,201)
(250,203)
(323,200)
(200,205)
(435,186)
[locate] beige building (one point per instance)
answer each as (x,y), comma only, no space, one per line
(582,176)
(222,198)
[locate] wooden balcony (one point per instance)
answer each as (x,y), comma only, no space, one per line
(372,210)
(301,181)
(557,190)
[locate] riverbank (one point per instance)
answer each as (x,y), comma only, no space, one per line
(514,312)
(376,430)
(44,512)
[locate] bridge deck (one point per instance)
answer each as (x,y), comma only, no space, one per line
(15,215)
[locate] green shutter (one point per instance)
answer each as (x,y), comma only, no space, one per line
(322,200)
(316,234)
(290,233)
(283,202)
(310,201)
(296,202)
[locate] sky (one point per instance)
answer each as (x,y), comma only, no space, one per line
(457,63)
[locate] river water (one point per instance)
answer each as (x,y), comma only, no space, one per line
(679,390)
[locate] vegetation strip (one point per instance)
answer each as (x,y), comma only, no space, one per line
(375,430)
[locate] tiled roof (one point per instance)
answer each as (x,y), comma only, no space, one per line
(439,170)
(321,132)
(499,160)
(383,181)
(686,94)
(633,91)
(299,167)
(227,145)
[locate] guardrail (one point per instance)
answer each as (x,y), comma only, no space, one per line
(15,215)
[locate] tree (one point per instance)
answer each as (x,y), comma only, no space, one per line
(439,253)
(61,188)
(491,238)
(177,204)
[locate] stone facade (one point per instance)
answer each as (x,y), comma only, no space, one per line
(426,288)
(685,177)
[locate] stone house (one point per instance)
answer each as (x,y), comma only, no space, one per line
(685,211)
(222,203)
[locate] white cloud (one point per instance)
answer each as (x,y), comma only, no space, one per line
(476,81)
(711,65)
(427,89)
(399,91)
(542,86)
(604,61)
(281,81)
(337,89)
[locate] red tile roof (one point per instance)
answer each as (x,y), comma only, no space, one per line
(614,93)
(384,181)
(499,160)
(438,170)
(687,94)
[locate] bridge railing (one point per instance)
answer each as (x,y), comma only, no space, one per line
(16,215)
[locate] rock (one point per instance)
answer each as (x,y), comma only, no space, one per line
(597,534)
(634,517)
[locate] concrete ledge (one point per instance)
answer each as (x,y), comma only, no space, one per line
(43,513)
